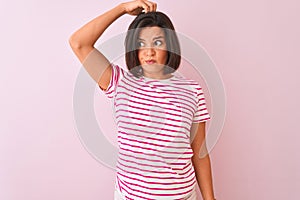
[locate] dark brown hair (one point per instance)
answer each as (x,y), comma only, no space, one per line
(151,19)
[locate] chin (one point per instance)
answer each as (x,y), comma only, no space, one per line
(152,68)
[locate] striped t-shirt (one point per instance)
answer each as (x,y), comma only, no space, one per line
(153,120)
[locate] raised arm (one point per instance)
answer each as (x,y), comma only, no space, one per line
(83,40)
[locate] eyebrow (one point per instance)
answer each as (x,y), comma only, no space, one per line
(158,37)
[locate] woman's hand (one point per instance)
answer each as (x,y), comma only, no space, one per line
(137,6)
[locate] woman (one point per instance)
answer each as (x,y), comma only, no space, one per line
(160,116)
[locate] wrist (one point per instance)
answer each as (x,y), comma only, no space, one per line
(122,8)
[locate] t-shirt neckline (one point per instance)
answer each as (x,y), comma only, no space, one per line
(153,79)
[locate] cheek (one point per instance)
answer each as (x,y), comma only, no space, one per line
(163,56)
(139,54)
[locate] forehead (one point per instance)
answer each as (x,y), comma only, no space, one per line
(151,32)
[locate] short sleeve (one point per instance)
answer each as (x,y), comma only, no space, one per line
(116,76)
(201,113)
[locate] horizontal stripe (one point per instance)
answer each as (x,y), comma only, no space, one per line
(141,109)
(154,120)
(150,154)
(153,139)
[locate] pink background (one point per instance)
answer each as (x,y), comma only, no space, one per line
(254,44)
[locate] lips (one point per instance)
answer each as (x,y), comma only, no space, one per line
(149,62)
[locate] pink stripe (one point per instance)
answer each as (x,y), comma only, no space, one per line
(150,138)
(170,92)
(200,94)
(188,165)
(186,91)
(152,121)
(126,197)
(132,194)
(147,104)
(184,173)
(200,115)
(178,164)
(112,81)
(148,115)
(142,108)
(200,120)
(144,153)
(139,169)
(158,128)
(188,107)
(148,93)
(171,179)
(202,104)
(154,161)
(153,116)
(203,109)
(183,101)
(120,187)
(162,189)
(164,167)
(139,98)
(173,86)
(160,134)
(153,144)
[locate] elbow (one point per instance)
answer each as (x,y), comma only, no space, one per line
(80,49)
(74,43)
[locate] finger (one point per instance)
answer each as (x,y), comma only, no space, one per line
(155,6)
(144,6)
(138,11)
(151,6)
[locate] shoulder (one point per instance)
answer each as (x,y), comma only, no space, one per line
(187,83)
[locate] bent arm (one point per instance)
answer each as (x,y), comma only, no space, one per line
(83,40)
(201,161)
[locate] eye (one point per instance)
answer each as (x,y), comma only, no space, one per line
(158,43)
(140,44)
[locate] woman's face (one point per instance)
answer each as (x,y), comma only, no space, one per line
(152,51)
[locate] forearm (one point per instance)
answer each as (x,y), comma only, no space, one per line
(202,168)
(88,34)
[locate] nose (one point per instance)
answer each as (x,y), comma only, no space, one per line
(149,51)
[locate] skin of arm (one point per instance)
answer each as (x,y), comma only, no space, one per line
(201,161)
(82,41)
